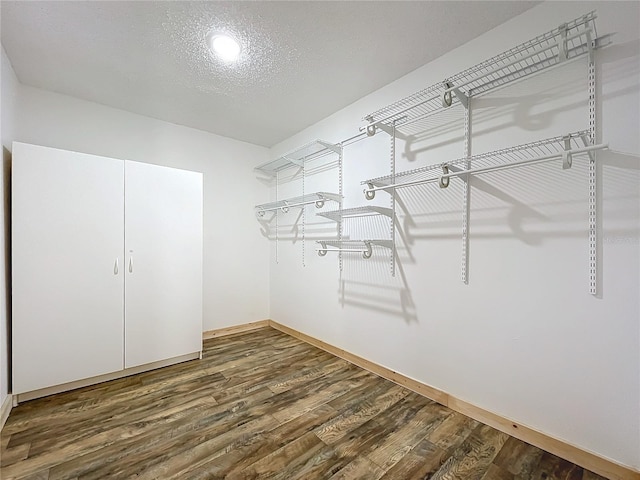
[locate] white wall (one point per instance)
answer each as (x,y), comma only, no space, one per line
(9,86)
(235,255)
(524,338)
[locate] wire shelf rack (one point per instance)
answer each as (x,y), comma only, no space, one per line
(567,42)
(318,199)
(363,247)
(298,157)
(338,215)
(564,148)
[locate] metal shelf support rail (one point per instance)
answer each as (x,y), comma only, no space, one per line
(340,192)
(466,195)
(304,218)
(392,229)
(569,41)
(593,194)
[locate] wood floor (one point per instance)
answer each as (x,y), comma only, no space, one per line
(260,405)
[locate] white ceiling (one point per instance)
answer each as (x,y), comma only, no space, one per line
(301,61)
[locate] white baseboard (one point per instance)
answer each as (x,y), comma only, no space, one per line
(589,460)
(245,327)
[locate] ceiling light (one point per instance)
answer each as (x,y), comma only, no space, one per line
(225,47)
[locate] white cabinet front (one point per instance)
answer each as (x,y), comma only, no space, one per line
(163,284)
(107,266)
(67,270)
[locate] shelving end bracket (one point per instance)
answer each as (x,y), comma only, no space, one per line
(330,146)
(446,99)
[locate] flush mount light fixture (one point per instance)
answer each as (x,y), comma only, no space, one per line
(223,46)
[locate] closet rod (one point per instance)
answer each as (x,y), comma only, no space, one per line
(494,168)
(285,206)
(354,250)
(366,252)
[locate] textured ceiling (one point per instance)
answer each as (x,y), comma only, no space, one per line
(301,61)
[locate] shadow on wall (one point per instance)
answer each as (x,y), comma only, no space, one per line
(532,105)
(287,227)
(517,106)
(364,282)
(618,187)
(6,168)
(531,205)
(369,284)
(378,283)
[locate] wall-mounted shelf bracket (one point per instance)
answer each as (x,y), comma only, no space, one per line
(444,181)
(601,41)
(562,43)
(450,89)
(567,158)
(586,140)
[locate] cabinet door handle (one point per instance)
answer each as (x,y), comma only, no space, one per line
(130,264)
(115,267)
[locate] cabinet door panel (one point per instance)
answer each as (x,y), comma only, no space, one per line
(163,284)
(67,235)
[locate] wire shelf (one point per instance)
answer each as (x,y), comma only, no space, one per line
(298,157)
(561,147)
(338,215)
(317,198)
(567,42)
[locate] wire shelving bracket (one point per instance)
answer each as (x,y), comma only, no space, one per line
(593,194)
(569,41)
(299,157)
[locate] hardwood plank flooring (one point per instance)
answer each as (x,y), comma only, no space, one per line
(261,404)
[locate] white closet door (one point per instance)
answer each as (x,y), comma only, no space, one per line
(163,284)
(68,272)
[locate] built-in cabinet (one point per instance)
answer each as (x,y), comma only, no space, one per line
(106,266)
